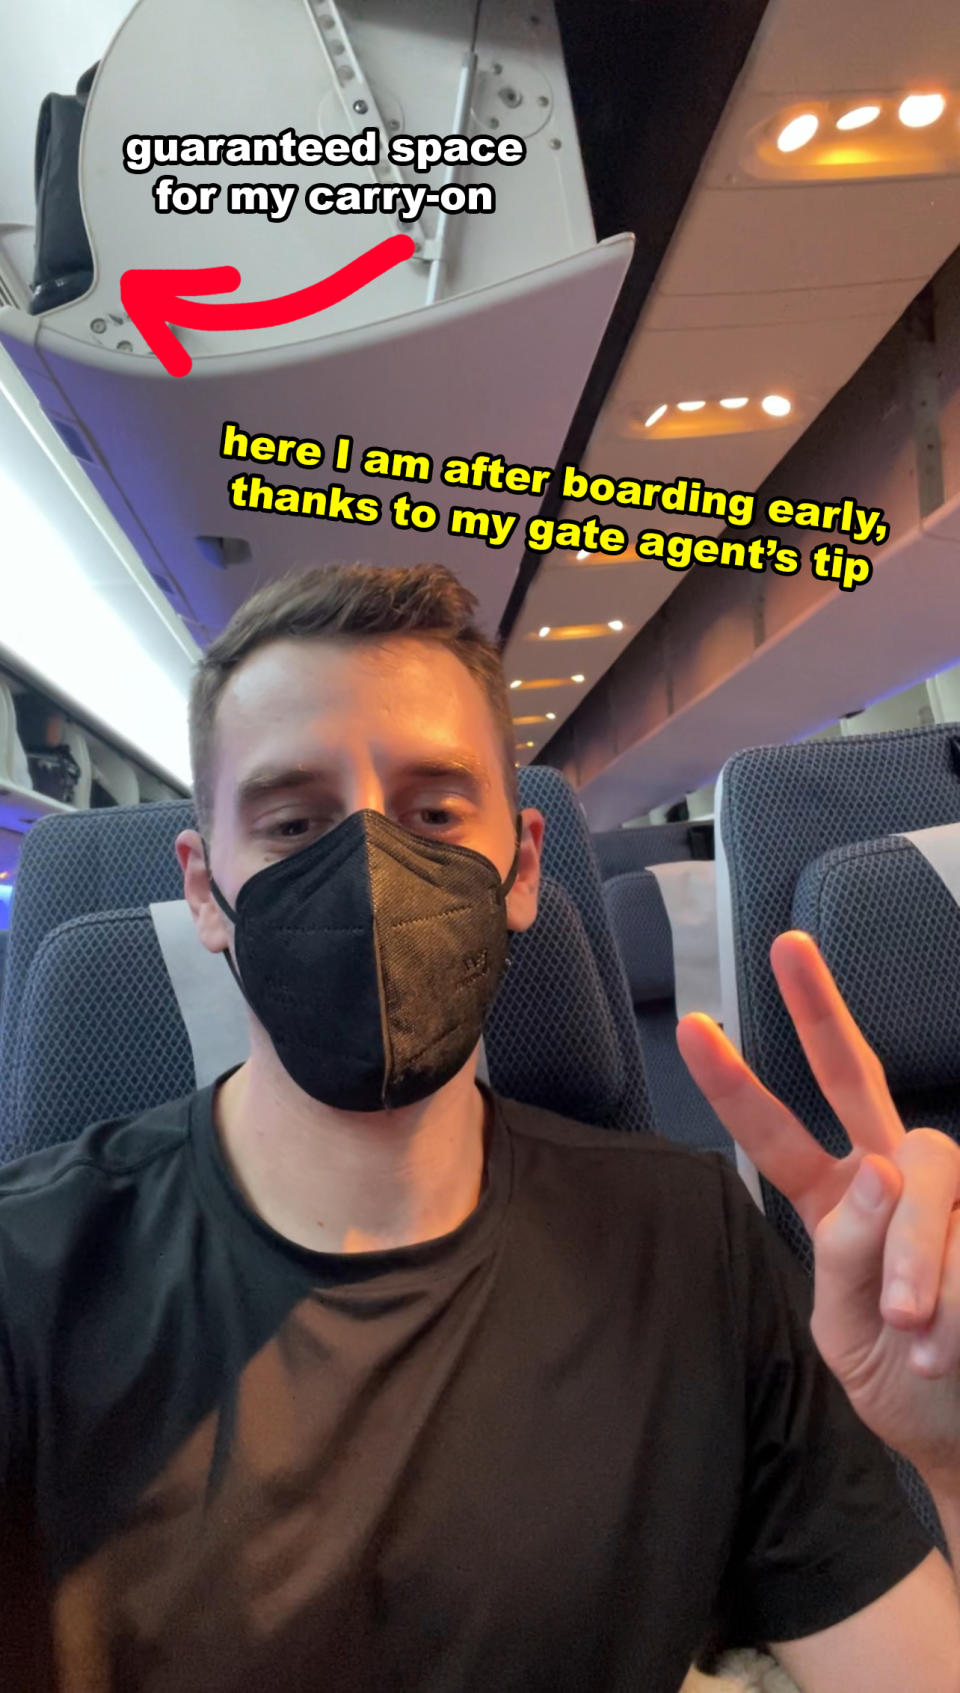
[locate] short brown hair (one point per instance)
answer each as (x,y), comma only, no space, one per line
(360,601)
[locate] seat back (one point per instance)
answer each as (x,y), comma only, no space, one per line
(781,810)
(621,850)
(888,925)
(70,866)
(114,1041)
(641,926)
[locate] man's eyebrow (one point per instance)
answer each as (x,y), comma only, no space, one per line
(271,778)
(458,764)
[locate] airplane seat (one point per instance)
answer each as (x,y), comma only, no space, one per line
(4,940)
(886,917)
(72,865)
(642,928)
(121,1032)
(621,850)
(780,810)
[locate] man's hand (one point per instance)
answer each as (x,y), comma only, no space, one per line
(885,1233)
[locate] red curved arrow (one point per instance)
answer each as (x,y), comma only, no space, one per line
(153,299)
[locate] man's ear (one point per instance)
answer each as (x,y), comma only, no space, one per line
(212,926)
(522,898)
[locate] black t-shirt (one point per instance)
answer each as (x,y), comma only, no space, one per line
(552,1451)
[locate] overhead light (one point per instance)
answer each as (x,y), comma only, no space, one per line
(551,716)
(518,722)
(919,110)
(615,624)
(798,132)
(904,134)
(654,417)
(583,553)
(859,117)
(732,415)
(573,632)
(547,682)
(544,631)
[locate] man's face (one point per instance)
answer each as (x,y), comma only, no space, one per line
(310,731)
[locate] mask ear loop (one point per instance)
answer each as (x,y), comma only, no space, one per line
(228,912)
(512,872)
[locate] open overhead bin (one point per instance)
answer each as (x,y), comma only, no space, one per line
(478,343)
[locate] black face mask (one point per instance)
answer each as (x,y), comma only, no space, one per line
(372,957)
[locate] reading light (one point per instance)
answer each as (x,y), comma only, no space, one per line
(575,631)
(654,417)
(859,117)
(551,716)
(919,110)
(544,631)
(517,684)
(798,132)
(735,414)
(899,134)
(548,682)
(615,624)
(583,552)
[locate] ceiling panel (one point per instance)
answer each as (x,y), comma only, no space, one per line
(784,288)
(837,45)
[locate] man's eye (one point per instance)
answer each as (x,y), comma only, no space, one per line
(434,817)
(292,828)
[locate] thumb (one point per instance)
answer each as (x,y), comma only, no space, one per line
(848,1249)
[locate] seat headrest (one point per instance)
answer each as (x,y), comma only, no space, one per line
(551,1039)
(639,921)
(116,1041)
(888,927)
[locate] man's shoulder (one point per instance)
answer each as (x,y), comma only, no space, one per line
(621,1156)
(74,1179)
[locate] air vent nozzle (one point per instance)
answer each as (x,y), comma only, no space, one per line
(222,551)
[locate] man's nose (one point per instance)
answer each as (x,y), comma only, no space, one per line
(365,793)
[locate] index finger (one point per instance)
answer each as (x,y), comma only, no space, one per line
(847,1070)
(768,1132)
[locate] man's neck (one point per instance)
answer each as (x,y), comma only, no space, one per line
(344,1181)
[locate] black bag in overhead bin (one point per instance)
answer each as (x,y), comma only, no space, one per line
(63,263)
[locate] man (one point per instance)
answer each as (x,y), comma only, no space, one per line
(345,1375)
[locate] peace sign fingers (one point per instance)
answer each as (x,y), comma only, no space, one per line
(770,1135)
(848,1071)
